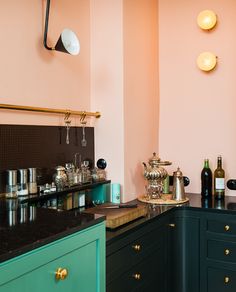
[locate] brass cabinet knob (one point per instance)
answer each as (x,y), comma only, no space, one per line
(227,227)
(227,251)
(61,274)
(172,225)
(226,280)
(136,247)
(137,276)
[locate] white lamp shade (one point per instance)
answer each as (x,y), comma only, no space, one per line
(206,61)
(68,42)
(206,19)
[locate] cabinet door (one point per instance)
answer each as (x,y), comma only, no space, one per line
(81,276)
(147,276)
(221,280)
(183,254)
(81,255)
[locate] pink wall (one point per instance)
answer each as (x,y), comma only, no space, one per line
(124,87)
(140,90)
(32,75)
(197,110)
(107,84)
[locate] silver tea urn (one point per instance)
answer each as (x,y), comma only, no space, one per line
(155,174)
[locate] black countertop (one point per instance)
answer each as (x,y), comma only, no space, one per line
(228,205)
(24,227)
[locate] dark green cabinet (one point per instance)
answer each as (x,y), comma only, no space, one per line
(218,252)
(183,251)
(137,261)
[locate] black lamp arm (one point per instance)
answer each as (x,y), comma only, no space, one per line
(46,27)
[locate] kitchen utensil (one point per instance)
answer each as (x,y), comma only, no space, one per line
(68,132)
(178,186)
(120,206)
(67,125)
(83,141)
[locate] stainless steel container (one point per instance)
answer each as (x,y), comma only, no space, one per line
(11,185)
(22,182)
(178,186)
(32,180)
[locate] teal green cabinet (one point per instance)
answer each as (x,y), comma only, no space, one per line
(73,263)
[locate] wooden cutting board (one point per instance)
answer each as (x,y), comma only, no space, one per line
(118,217)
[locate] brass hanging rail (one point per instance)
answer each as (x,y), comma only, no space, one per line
(49,110)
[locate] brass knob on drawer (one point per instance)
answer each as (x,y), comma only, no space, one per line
(61,274)
(227,251)
(227,227)
(172,225)
(136,247)
(226,280)
(137,276)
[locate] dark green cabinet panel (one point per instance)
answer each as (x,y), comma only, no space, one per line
(220,280)
(218,252)
(183,254)
(147,275)
(227,227)
(221,250)
(138,261)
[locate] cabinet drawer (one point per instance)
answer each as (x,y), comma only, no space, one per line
(73,264)
(139,277)
(132,253)
(221,250)
(224,227)
(221,280)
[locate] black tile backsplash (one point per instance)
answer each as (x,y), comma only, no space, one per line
(43,147)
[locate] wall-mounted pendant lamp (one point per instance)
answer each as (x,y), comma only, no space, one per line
(67,42)
(206,19)
(206,61)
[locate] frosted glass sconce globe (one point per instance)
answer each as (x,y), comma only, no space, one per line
(206,61)
(207,19)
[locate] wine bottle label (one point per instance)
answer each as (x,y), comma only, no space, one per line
(219,183)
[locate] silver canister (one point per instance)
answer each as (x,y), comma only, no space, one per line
(178,186)
(32,180)
(11,185)
(22,182)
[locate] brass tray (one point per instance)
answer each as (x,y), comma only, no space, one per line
(165,200)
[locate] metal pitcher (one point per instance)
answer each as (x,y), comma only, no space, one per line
(178,186)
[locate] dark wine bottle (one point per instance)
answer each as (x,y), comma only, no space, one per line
(206,180)
(219,180)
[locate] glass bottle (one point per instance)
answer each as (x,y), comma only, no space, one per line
(219,180)
(206,180)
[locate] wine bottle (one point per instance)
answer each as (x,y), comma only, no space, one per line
(219,180)
(206,180)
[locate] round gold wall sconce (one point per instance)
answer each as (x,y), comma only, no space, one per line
(206,61)
(207,19)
